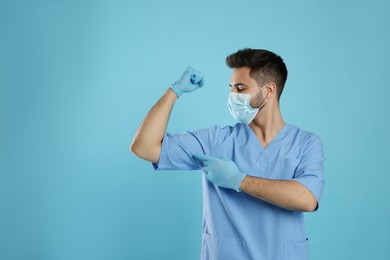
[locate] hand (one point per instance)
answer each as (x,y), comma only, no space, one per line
(189,81)
(221,171)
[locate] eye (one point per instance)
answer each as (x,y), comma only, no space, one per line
(238,87)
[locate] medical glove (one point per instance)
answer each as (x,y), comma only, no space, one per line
(189,81)
(221,171)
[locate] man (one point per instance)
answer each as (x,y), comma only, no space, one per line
(258,176)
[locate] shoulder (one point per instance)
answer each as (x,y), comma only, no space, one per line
(216,134)
(303,134)
(210,131)
(305,139)
(217,129)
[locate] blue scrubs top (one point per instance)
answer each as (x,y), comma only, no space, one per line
(236,225)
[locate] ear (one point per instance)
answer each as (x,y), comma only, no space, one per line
(270,90)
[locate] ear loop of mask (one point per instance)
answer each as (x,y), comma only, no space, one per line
(265,100)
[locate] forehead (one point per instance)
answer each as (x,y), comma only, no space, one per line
(241,75)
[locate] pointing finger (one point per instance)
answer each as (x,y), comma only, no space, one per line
(204,157)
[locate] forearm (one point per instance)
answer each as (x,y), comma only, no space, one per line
(283,193)
(150,133)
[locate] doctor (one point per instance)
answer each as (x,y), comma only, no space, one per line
(259,176)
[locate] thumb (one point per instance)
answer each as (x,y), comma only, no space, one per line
(201,83)
(196,78)
(207,175)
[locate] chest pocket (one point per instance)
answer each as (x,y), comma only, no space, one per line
(282,168)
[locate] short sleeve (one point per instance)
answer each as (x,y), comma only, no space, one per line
(310,170)
(177,150)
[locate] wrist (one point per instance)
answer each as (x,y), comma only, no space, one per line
(170,94)
(240,178)
(176,90)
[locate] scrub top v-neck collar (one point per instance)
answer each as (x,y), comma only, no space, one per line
(255,144)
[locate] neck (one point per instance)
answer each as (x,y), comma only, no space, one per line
(268,122)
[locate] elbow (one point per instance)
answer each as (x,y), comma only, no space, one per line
(134,149)
(311,204)
(151,154)
(307,201)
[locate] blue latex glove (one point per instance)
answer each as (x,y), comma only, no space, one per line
(189,81)
(221,171)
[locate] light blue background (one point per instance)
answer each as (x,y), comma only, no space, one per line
(78,77)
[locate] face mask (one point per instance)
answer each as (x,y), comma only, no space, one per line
(240,107)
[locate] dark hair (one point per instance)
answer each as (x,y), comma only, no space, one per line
(265,66)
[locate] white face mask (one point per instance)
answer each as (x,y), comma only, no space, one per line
(240,107)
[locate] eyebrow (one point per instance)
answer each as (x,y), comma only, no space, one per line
(238,84)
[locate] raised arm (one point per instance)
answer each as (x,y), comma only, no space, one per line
(147,141)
